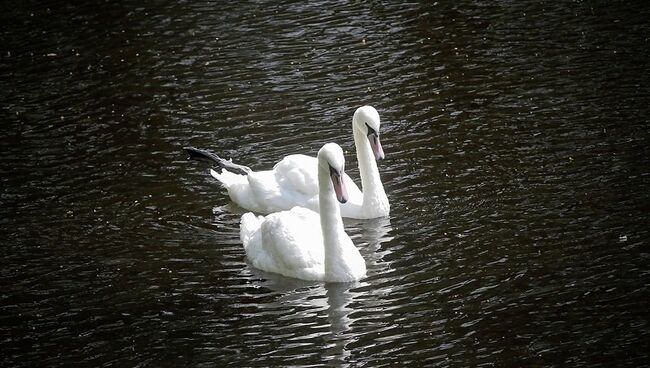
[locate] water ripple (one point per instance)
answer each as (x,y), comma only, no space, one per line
(516,140)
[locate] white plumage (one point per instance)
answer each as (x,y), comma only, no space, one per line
(301,243)
(294,180)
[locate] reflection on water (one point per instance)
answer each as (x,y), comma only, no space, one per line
(327,310)
(516,137)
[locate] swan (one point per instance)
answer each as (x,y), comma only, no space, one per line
(294,180)
(301,243)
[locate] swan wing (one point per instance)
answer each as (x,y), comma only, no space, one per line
(298,173)
(297,176)
(259,191)
(239,189)
(289,243)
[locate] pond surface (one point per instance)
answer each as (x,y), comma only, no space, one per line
(517,140)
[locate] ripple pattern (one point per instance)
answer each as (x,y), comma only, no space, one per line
(517,168)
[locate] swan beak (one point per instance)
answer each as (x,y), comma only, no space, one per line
(339,186)
(375,144)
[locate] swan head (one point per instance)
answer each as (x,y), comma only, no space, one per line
(366,121)
(331,159)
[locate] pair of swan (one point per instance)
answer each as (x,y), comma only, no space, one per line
(297,241)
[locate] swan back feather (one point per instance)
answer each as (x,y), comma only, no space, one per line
(301,243)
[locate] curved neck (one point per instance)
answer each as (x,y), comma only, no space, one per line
(373,190)
(332,227)
(330,212)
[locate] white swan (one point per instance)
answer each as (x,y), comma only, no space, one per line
(301,243)
(294,180)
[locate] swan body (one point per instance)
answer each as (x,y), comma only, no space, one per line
(294,180)
(301,243)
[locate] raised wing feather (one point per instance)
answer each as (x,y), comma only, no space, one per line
(299,173)
(291,244)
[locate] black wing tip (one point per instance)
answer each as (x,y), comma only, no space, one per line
(189,150)
(199,154)
(204,155)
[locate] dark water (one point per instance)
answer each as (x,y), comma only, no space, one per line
(517,137)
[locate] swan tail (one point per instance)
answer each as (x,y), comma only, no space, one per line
(228,179)
(203,155)
(250,224)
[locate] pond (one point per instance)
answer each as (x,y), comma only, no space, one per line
(517,141)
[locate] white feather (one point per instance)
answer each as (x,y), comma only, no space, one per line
(301,243)
(294,180)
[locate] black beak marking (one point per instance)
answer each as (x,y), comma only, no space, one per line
(336,173)
(371,131)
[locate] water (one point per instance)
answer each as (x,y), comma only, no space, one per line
(516,136)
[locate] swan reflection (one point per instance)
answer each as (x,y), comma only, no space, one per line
(325,318)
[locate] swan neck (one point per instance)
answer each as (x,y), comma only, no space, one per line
(373,190)
(334,236)
(330,212)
